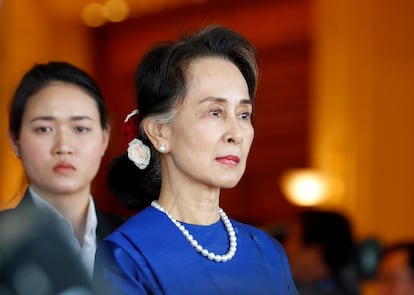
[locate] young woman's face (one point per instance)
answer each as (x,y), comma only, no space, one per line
(210,137)
(61,140)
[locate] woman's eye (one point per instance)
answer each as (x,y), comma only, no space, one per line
(216,112)
(245,115)
(81,129)
(43,129)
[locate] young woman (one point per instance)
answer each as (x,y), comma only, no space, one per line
(59,128)
(195,99)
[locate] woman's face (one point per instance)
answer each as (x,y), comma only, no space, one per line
(210,137)
(61,140)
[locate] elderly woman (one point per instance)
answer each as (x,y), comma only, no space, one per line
(195,99)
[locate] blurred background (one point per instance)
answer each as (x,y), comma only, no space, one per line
(334,109)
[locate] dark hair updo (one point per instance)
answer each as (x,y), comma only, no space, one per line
(161,85)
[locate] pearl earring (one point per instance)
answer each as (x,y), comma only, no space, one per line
(17,154)
(162,148)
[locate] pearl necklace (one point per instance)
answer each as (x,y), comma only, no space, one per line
(210,255)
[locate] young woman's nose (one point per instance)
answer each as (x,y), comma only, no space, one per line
(63,144)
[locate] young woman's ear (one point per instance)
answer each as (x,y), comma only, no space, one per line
(106,133)
(14,144)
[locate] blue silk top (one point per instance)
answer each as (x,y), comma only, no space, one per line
(148,254)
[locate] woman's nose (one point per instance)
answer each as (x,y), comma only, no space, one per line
(63,144)
(234,133)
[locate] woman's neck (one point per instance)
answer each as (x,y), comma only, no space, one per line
(191,206)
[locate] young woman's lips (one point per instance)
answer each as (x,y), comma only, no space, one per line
(64,168)
(228,160)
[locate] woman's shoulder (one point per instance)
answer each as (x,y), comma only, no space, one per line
(138,225)
(10,217)
(25,211)
(250,229)
(257,234)
(145,217)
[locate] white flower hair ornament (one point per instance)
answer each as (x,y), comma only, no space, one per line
(138,152)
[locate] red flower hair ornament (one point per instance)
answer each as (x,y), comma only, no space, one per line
(138,152)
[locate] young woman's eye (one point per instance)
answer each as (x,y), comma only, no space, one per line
(81,129)
(43,129)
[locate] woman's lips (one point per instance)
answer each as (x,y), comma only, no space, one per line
(64,168)
(228,160)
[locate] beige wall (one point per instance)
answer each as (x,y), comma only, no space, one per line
(364,110)
(363,114)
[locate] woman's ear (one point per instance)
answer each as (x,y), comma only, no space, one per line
(14,143)
(106,134)
(156,132)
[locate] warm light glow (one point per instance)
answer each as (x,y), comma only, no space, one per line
(93,15)
(97,13)
(304,187)
(116,10)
